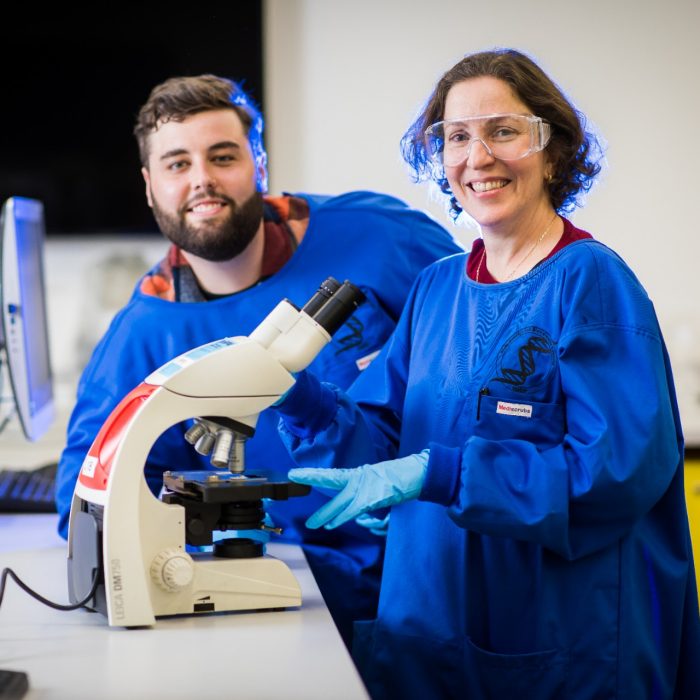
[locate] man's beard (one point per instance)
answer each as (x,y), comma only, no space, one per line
(215,241)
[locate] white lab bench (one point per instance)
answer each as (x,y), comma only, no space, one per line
(296,653)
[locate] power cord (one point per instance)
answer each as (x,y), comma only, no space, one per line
(56,606)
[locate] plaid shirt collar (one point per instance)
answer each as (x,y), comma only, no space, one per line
(285,218)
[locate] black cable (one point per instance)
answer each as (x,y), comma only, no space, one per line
(56,606)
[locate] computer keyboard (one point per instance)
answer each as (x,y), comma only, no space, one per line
(28,490)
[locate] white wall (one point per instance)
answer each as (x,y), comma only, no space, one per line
(345,77)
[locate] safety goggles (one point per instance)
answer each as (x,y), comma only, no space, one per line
(504,136)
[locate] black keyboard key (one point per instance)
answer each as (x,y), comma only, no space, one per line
(28,491)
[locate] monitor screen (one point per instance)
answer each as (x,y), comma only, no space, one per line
(23,302)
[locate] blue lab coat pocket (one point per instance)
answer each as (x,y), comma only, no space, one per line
(543,424)
(535,676)
(408,666)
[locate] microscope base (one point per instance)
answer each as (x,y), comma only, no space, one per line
(230,584)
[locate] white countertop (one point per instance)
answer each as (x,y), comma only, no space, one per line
(296,653)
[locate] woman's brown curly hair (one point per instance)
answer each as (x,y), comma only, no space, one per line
(574,152)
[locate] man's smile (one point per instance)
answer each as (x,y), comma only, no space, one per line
(210,206)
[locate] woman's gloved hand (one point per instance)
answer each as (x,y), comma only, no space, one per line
(365,488)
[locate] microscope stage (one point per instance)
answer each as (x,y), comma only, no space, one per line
(221,486)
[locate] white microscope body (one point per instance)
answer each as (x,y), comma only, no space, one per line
(131,543)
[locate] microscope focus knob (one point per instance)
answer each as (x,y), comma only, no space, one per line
(172,570)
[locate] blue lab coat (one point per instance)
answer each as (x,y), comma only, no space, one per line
(549,554)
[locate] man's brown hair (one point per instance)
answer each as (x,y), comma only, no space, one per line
(179,98)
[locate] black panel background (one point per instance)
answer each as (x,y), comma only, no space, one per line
(72,86)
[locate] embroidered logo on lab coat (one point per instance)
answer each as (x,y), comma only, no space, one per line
(526,360)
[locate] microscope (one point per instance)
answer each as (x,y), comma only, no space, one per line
(131,546)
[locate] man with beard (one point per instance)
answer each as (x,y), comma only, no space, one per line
(234,255)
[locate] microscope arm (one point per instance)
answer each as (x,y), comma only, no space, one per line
(294,337)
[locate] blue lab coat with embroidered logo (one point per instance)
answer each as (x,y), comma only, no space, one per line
(549,554)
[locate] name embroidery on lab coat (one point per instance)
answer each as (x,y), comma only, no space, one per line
(514,409)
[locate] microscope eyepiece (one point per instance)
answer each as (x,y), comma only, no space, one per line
(325,291)
(341,305)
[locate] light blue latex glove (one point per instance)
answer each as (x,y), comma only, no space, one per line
(364,488)
(377,526)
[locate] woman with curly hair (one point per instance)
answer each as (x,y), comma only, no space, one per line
(522,426)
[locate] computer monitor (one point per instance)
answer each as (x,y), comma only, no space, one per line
(23,327)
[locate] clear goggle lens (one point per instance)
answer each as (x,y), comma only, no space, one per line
(504,136)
